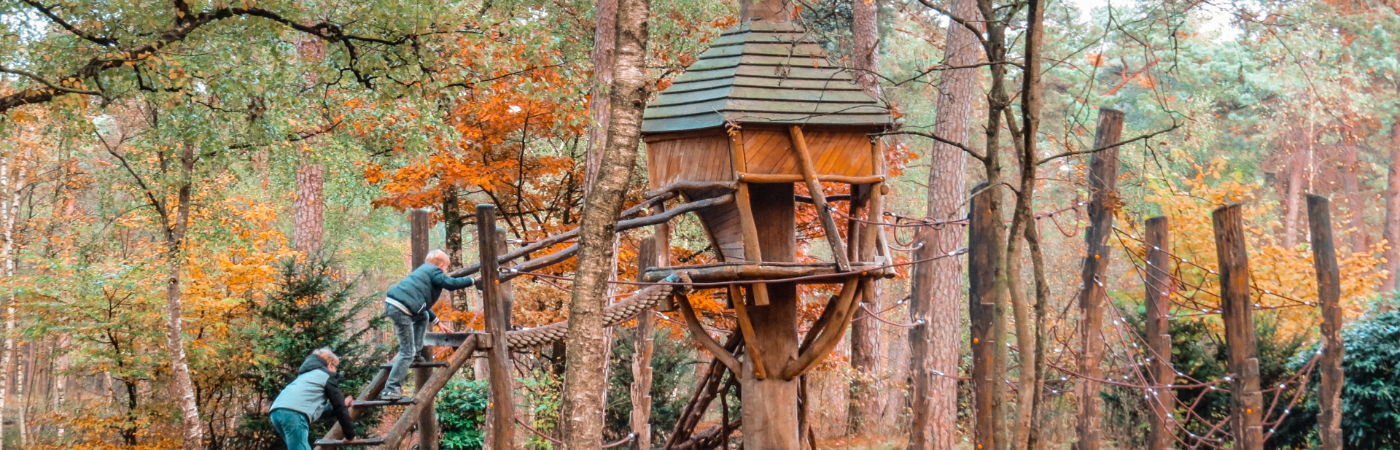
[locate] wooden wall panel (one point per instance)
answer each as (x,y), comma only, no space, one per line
(695,158)
(723,224)
(833,152)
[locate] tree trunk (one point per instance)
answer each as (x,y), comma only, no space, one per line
(309,210)
(936,287)
(1029,393)
(584,385)
(1356,202)
(604,49)
(452,227)
(865,410)
(182,386)
(1392,212)
(6,218)
(1292,193)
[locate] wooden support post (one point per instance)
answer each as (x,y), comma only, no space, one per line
(981,270)
(1329,294)
(877,203)
(814,186)
(419,226)
(1103,186)
(742,199)
(1246,403)
(502,399)
(1159,340)
(663,254)
(641,356)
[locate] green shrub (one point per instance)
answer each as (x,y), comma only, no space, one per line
(461,411)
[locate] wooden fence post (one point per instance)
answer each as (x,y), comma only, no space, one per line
(1247,402)
(1329,294)
(502,400)
(981,275)
(419,226)
(641,356)
(1103,201)
(1159,340)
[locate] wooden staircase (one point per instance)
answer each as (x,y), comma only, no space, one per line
(369,397)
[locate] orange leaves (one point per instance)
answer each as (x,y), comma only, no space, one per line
(1094,59)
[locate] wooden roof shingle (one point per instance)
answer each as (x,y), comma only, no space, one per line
(763,72)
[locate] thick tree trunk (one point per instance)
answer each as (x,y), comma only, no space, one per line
(936,287)
(584,384)
(865,410)
(1392,212)
(604,49)
(309,210)
(182,386)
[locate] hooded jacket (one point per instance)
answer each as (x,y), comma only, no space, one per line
(421,288)
(315,390)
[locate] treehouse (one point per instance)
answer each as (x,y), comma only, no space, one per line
(759,112)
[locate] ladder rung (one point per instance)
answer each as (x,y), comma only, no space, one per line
(418,365)
(354,443)
(367,403)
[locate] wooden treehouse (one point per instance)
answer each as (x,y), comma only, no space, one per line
(759,112)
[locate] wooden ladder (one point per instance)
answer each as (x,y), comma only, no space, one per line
(369,397)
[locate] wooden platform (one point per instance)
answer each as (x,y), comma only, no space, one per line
(743,271)
(355,443)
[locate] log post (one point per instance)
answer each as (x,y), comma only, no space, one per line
(743,201)
(1246,402)
(641,356)
(981,269)
(502,401)
(1103,186)
(1159,340)
(770,404)
(814,186)
(419,226)
(1329,294)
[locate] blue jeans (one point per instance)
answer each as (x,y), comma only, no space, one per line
(293,427)
(409,330)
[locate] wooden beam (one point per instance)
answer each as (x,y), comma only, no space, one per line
(752,252)
(697,331)
(428,391)
(370,391)
(622,225)
(691,185)
(1329,295)
(1158,284)
(829,198)
(1246,403)
(741,309)
(502,410)
(814,187)
(831,334)
(745,177)
(718,273)
(1103,185)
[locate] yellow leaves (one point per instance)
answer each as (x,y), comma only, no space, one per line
(1283,282)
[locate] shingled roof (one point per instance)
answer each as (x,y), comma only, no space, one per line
(763,72)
